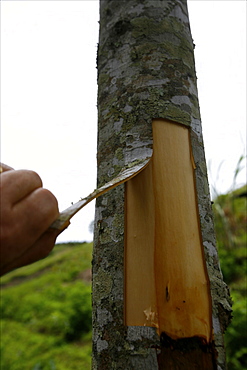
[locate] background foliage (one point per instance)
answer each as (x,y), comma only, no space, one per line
(46,312)
(46,307)
(231,230)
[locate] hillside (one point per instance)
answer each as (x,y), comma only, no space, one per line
(46,312)
(46,307)
(230,214)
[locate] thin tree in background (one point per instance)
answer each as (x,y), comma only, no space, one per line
(159,300)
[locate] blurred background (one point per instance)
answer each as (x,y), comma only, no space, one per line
(49,124)
(49,94)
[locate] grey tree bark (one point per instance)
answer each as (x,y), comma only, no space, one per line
(146,71)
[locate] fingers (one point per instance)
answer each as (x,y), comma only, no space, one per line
(40,249)
(16,185)
(38,211)
(27,210)
(4,167)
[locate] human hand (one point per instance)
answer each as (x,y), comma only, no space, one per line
(27,211)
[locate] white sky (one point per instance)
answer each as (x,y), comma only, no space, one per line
(49,93)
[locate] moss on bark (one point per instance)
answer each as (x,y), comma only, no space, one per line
(145,70)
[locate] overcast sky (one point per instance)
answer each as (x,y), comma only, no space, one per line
(49,93)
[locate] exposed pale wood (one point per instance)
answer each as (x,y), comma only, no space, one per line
(140,296)
(166,280)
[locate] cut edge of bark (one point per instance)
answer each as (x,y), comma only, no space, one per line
(167,284)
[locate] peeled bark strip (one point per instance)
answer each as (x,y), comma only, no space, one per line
(146,72)
(131,170)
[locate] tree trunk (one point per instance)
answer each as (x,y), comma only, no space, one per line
(159,300)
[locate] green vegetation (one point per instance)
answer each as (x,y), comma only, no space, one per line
(46,312)
(231,231)
(46,307)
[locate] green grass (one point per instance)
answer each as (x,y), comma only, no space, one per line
(61,257)
(46,307)
(46,312)
(231,231)
(22,348)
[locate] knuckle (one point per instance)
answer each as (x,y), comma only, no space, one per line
(50,197)
(49,200)
(34,176)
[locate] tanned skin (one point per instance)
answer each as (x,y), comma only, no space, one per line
(27,211)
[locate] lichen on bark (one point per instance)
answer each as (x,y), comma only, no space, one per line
(145,71)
